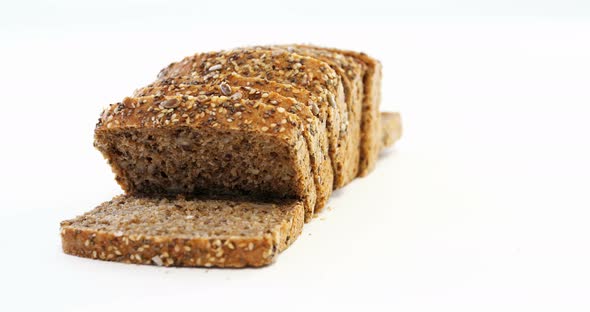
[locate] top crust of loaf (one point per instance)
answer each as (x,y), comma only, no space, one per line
(196,111)
(269,64)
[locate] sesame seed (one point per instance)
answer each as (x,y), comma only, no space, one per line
(332,100)
(157,260)
(236,96)
(215,67)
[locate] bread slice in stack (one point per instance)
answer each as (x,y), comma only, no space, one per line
(351,74)
(370,124)
(184,232)
(239,88)
(270,130)
(208,145)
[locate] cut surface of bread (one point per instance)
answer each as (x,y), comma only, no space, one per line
(160,146)
(184,232)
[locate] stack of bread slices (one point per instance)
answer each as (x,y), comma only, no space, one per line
(226,155)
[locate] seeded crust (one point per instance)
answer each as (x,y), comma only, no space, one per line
(351,73)
(391,129)
(283,67)
(315,133)
(122,123)
(370,125)
(184,232)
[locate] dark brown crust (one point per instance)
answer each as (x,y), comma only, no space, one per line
(230,252)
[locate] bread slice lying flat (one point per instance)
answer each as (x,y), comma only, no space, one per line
(183,232)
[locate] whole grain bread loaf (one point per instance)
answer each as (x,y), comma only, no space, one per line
(209,144)
(184,232)
(284,67)
(227,154)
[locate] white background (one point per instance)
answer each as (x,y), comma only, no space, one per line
(483,206)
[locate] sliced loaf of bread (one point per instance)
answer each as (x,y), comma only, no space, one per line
(184,232)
